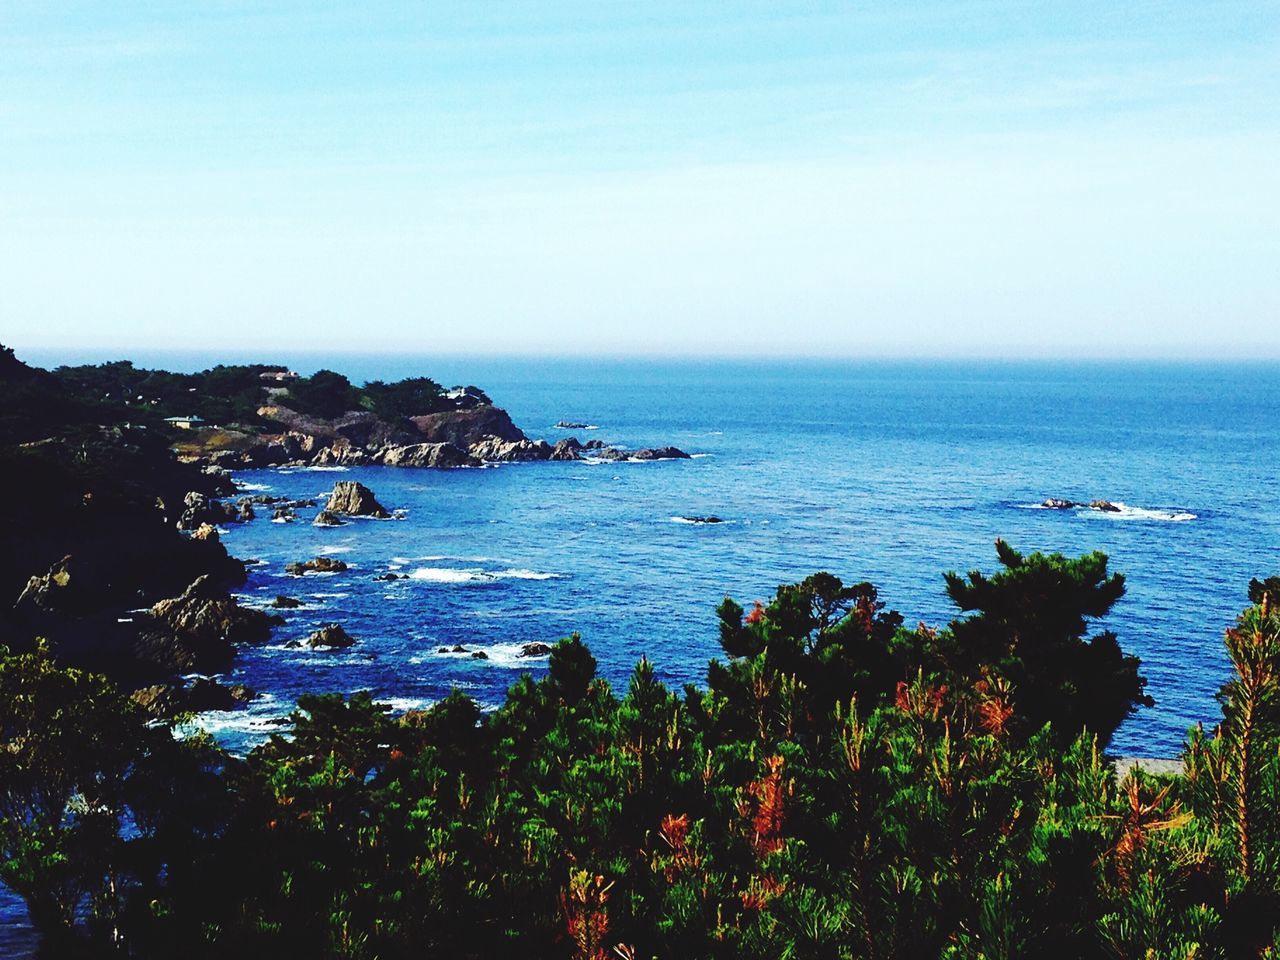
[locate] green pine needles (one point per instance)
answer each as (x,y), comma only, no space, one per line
(842,787)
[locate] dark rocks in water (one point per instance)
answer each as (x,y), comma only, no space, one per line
(392,576)
(326,519)
(199,509)
(318,565)
(479,655)
(246,512)
(1053,503)
(331,635)
(206,612)
(535,650)
(168,699)
(281,602)
(710,518)
(1106,506)
(572,425)
(354,499)
(442,650)
(660,453)
(284,513)
(567,449)
(197,630)
(459,648)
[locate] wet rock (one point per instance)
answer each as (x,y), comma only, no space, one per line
(326,519)
(459,648)
(1053,503)
(660,453)
(285,514)
(567,449)
(317,565)
(479,655)
(535,650)
(392,576)
(246,512)
(206,531)
(571,425)
(281,602)
(710,518)
(332,636)
(1106,506)
(354,499)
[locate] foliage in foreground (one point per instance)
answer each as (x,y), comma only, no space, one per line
(841,788)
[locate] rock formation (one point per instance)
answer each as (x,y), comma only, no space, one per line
(354,499)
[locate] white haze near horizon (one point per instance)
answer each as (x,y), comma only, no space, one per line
(929,179)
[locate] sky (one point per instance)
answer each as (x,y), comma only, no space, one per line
(950,179)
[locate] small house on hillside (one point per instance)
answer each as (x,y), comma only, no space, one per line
(466,397)
(278,376)
(185,423)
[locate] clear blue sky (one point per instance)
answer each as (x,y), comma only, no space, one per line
(944,179)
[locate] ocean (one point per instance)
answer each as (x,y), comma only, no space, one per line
(891,472)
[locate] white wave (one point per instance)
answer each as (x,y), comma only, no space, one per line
(333,596)
(699,456)
(497,654)
(1122,512)
(281,520)
(252,487)
(325,469)
(477,575)
(331,550)
(448,575)
(403,704)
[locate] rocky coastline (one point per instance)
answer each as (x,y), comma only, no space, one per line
(122,570)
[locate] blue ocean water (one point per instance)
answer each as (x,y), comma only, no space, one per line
(884,471)
(889,472)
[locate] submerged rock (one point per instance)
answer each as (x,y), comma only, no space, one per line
(354,499)
(282,602)
(572,425)
(479,655)
(331,635)
(710,518)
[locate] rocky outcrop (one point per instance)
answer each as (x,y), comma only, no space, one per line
(1053,503)
(438,455)
(1106,506)
(198,509)
(498,450)
(281,602)
(168,699)
(332,636)
(354,499)
(463,428)
(659,453)
(572,425)
(318,565)
(567,449)
(207,612)
(535,650)
(326,519)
